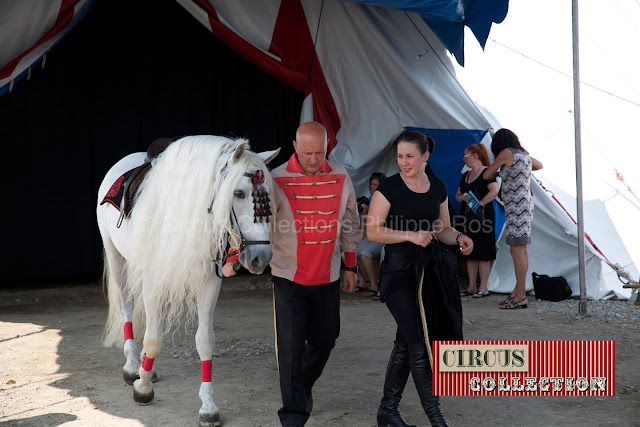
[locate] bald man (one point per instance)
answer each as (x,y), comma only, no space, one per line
(315,209)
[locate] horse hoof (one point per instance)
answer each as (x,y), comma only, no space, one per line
(129,378)
(143,399)
(154,377)
(208,420)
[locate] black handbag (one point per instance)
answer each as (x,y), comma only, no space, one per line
(477,215)
(550,288)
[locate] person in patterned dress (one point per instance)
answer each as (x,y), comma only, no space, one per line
(514,165)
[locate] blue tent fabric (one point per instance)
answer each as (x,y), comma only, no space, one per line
(447,18)
(500,218)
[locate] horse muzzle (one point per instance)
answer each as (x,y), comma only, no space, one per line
(255,259)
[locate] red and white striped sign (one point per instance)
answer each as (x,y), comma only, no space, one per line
(524,368)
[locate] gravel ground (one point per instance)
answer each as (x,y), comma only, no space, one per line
(615,312)
(53,370)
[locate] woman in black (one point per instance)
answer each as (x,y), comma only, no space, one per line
(479,225)
(407,213)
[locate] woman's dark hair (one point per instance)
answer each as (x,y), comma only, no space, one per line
(502,139)
(480,151)
(377,175)
(423,142)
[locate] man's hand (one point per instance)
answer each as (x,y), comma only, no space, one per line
(349,281)
(230,268)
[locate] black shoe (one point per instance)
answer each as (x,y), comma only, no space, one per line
(391,419)
(394,382)
(422,377)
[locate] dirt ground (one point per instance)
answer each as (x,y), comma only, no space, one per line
(54,371)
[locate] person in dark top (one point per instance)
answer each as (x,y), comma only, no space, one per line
(409,213)
(479,225)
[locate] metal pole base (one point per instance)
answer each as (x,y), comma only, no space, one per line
(582,308)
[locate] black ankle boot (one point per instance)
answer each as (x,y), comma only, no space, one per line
(422,377)
(394,382)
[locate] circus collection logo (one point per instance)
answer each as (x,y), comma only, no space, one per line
(524,368)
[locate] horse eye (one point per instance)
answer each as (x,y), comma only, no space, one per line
(239,194)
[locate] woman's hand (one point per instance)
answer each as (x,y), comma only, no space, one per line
(466,244)
(421,238)
(464,197)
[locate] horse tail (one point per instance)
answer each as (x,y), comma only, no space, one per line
(112,335)
(116,288)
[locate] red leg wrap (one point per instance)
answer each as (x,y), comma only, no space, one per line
(206,371)
(128,331)
(147,364)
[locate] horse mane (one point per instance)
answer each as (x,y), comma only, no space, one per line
(175,240)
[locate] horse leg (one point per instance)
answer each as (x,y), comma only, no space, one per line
(154,377)
(143,386)
(131,368)
(205,342)
(120,309)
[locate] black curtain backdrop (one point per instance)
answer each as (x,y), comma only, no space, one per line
(129,72)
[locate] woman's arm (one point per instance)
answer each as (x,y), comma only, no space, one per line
(505,157)
(449,235)
(536,164)
(493,192)
(377,232)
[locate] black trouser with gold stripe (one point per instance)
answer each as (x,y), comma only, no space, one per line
(307,326)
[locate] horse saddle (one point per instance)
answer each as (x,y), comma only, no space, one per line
(123,192)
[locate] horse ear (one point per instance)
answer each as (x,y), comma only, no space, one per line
(239,152)
(267,156)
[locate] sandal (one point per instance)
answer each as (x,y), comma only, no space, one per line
(480,294)
(505,301)
(465,293)
(514,304)
(371,293)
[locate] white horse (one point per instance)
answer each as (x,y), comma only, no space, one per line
(160,261)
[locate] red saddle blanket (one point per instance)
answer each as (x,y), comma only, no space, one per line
(124,188)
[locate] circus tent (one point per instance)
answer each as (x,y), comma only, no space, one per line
(366,70)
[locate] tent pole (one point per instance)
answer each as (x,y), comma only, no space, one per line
(578,142)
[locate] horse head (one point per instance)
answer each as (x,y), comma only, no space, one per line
(251,215)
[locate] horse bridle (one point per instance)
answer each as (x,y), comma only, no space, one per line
(261,212)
